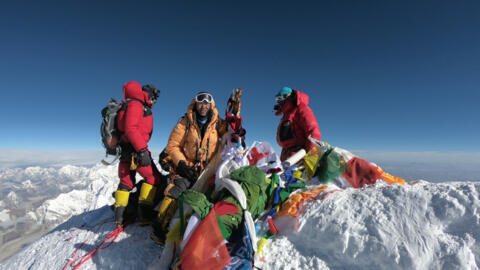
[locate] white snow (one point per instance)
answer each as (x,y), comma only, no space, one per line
(421,225)
(97,185)
(12,199)
(31,215)
(71,203)
(32,211)
(4,216)
(27,184)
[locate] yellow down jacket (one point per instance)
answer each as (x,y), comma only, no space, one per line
(189,145)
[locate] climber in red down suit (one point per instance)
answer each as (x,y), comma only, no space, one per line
(297,123)
(135,122)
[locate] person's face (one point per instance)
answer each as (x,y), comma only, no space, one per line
(203,108)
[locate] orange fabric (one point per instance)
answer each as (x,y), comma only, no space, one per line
(361,172)
(293,204)
(206,248)
(390,178)
(181,147)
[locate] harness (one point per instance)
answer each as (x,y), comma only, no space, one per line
(127,150)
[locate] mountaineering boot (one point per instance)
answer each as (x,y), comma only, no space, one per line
(145,204)
(119,211)
(160,225)
(121,202)
(158,234)
(167,210)
(145,214)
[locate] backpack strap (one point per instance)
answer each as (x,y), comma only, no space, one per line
(187,129)
(135,99)
(217,127)
(146,109)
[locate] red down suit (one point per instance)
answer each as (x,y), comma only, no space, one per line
(136,125)
(297,123)
(136,122)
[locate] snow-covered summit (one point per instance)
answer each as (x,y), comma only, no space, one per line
(421,225)
(415,226)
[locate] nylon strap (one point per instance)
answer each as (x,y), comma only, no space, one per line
(180,210)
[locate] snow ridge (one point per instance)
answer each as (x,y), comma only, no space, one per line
(420,225)
(417,226)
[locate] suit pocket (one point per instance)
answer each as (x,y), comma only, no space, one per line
(286,131)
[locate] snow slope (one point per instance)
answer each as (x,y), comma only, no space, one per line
(27,210)
(417,226)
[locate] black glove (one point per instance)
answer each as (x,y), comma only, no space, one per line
(144,158)
(180,185)
(153,92)
(186,171)
(165,165)
(161,160)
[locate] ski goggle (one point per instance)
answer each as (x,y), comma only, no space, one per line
(204,97)
(283,94)
(281,98)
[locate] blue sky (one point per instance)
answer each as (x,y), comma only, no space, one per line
(381,75)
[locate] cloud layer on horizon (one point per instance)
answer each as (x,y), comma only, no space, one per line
(431,166)
(49,158)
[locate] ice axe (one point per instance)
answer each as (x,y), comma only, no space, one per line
(235,102)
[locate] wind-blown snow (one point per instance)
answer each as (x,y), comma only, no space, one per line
(421,225)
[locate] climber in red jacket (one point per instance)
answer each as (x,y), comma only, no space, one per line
(135,122)
(297,123)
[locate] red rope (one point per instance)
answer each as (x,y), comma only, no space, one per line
(87,227)
(81,260)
